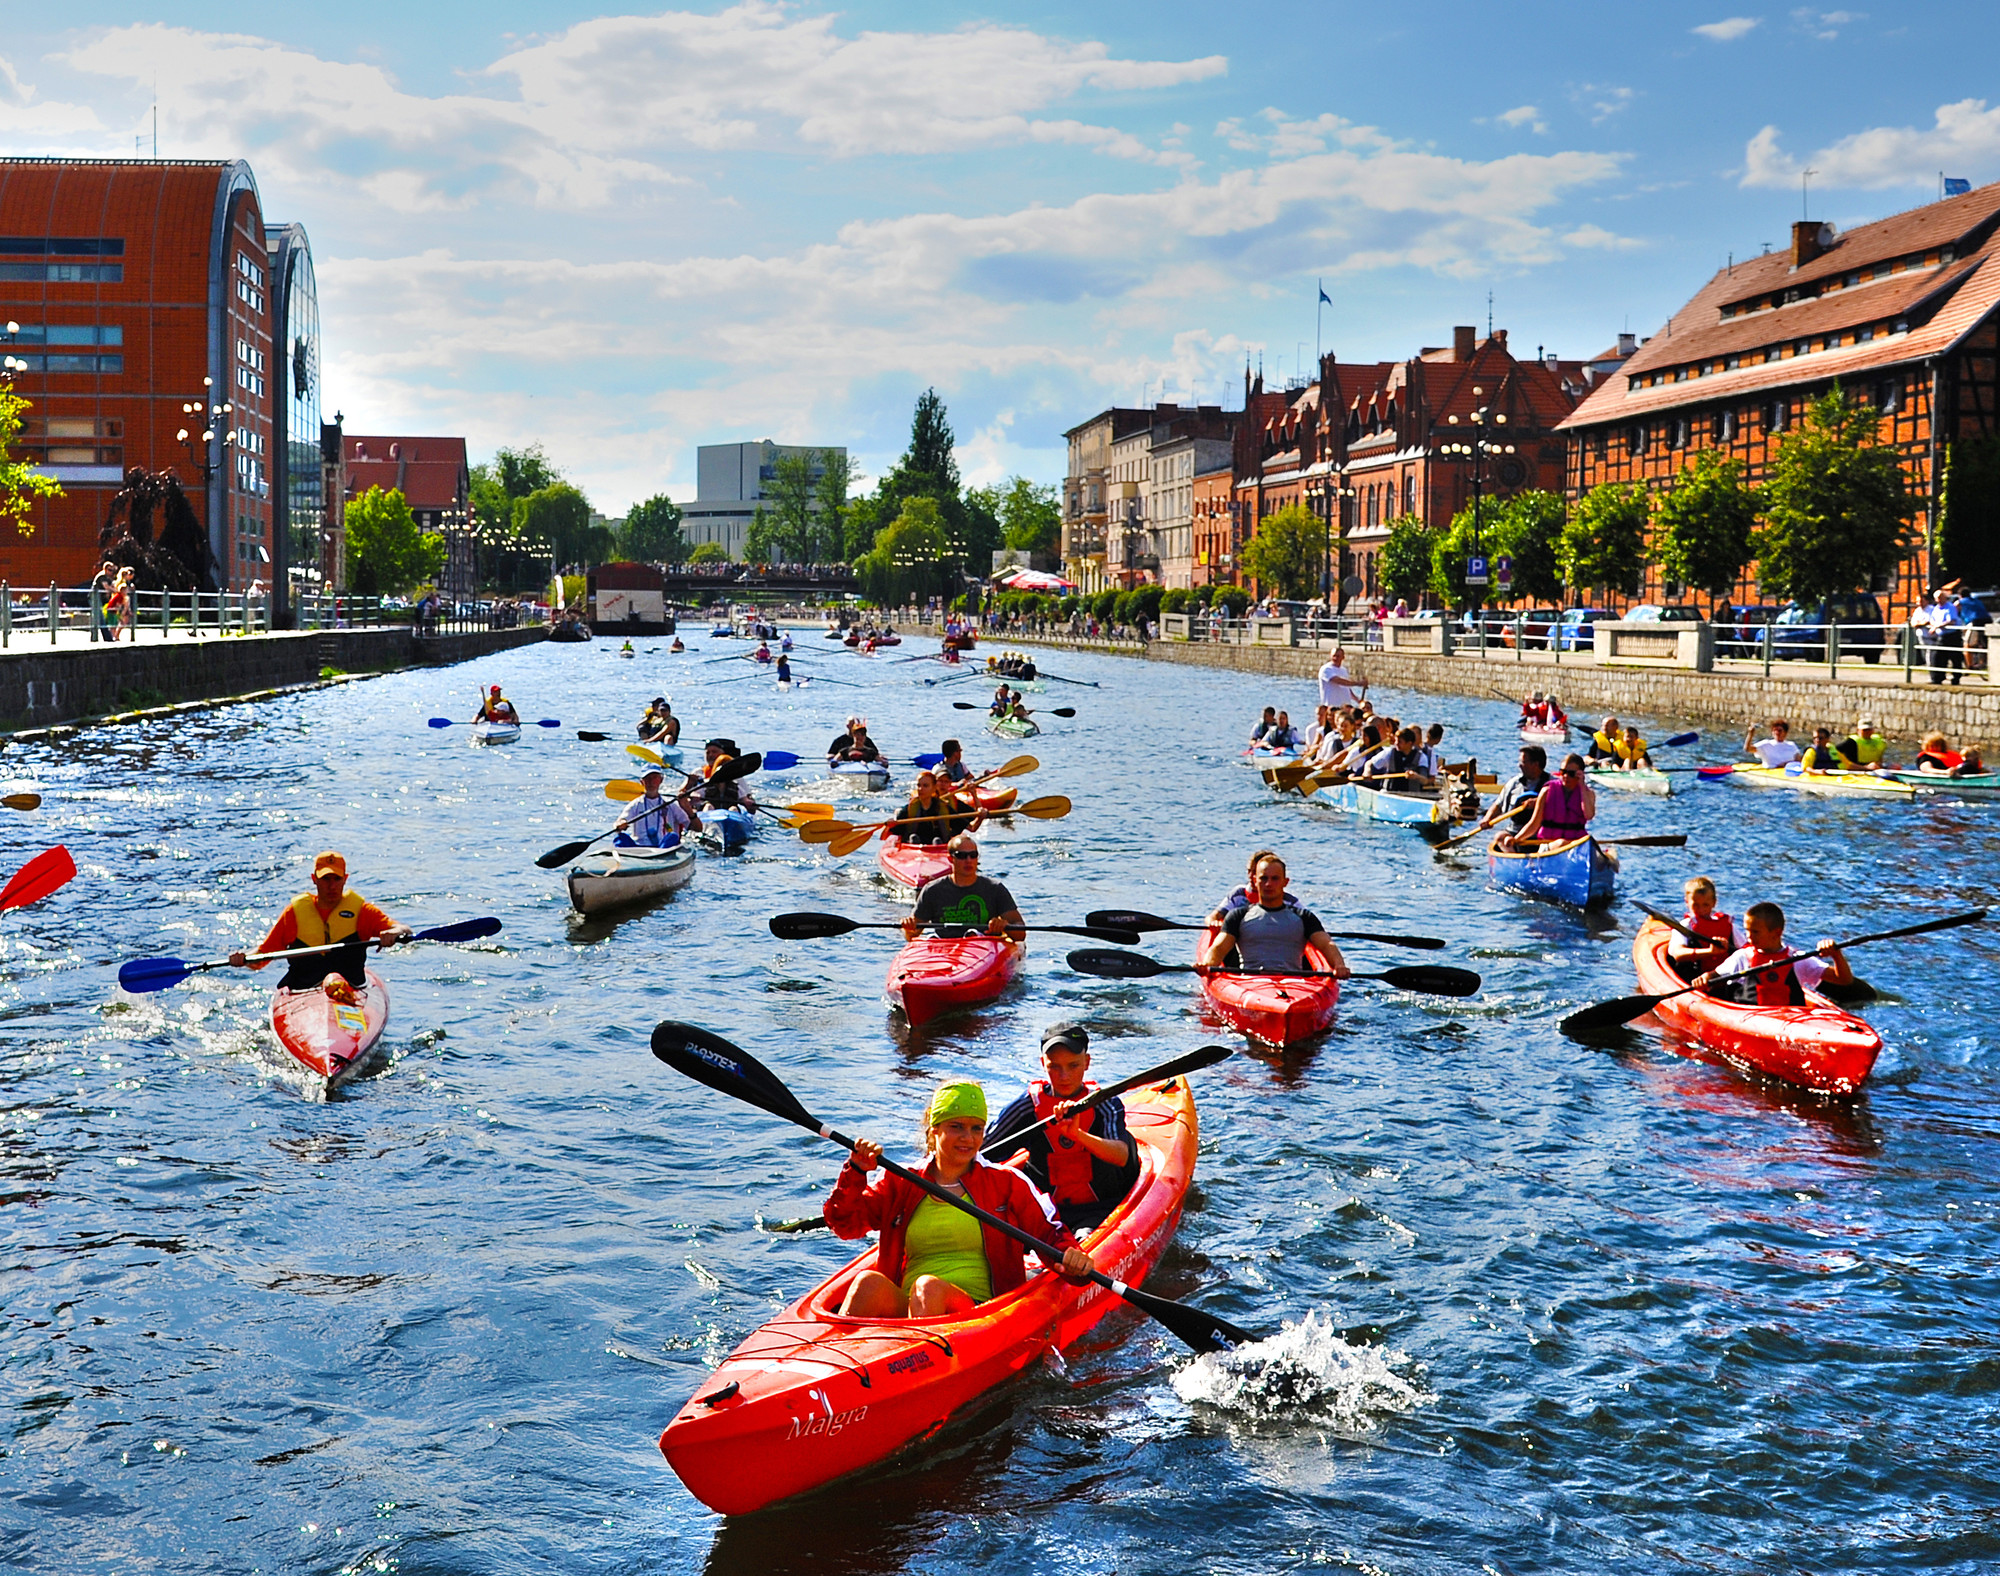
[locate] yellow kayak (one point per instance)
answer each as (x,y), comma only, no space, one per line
(1865,785)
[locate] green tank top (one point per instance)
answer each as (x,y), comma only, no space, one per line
(946,1242)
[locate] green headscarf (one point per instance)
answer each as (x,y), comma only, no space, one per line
(962,1098)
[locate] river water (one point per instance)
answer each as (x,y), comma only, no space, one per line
(1552,1307)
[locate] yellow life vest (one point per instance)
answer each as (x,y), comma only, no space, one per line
(341,925)
(1631,751)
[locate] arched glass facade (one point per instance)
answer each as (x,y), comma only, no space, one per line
(301,506)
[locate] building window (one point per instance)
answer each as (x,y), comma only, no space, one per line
(1889,397)
(1774,416)
(67,334)
(62,273)
(1410,493)
(1635,438)
(1680,431)
(1600,443)
(1725,426)
(72,363)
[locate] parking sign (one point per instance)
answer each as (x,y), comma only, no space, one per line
(1475,570)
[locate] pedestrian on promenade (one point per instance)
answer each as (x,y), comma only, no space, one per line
(1947,652)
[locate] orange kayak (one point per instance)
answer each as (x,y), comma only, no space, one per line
(934,975)
(1277,1009)
(995,800)
(330,1037)
(910,865)
(1817,1046)
(811,1396)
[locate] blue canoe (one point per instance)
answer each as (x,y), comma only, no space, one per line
(726,830)
(1376,804)
(1580,873)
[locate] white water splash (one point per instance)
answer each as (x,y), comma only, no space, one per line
(1306,1369)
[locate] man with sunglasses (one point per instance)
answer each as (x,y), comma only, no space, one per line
(1563,811)
(965,897)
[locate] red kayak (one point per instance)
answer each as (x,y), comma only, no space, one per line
(995,801)
(910,865)
(331,1035)
(1817,1046)
(1278,1009)
(812,1396)
(934,975)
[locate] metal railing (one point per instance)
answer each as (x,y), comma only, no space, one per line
(336,610)
(88,612)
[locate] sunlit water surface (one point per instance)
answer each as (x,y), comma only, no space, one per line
(1553,1307)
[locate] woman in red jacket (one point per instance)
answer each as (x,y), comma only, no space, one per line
(932,1259)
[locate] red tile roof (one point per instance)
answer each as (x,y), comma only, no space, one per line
(431,473)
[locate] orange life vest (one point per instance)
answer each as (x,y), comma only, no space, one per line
(317,930)
(1069,1162)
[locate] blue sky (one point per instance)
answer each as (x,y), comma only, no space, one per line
(627,233)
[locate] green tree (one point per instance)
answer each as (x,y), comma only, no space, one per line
(20,485)
(791,530)
(1283,556)
(1450,547)
(386,553)
(836,475)
(1530,533)
(1706,523)
(523,471)
(652,532)
(1604,545)
(1030,516)
(1403,563)
(708,553)
(928,469)
(911,559)
(559,516)
(1836,505)
(1968,528)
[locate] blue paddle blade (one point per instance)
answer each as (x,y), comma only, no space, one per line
(926,762)
(440,722)
(150,974)
(549,722)
(779,760)
(464,930)
(1680,739)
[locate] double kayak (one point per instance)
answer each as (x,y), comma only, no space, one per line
(1642,779)
(1578,873)
(1979,785)
(1378,804)
(861,774)
(1853,785)
(1014,727)
(1277,1009)
(331,1035)
(910,865)
(1545,736)
(995,801)
(934,975)
(1817,1046)
(495,732)
(620,877)
(812,1396)
(727,830)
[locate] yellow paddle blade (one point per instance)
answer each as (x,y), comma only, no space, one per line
(849,841)
(646,754)
(623,790)
(1052,807)
(807,809)
(1019,766)
(824,831)
(22,801)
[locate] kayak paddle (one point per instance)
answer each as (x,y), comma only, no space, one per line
(1515,814)
(1660,840)
(22,801)
(1179,1067)
(709,1059)
(142,975)
(453,722)
(839,843)
(593,738)
(1051,711)
(1429,978)
(1610,1014)
(1133,919)
(47,872)
(809,927)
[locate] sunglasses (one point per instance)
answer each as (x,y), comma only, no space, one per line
(959,853)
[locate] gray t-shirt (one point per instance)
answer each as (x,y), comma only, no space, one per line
(944,902)
(1271,938)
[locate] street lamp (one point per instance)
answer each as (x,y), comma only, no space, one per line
(11,364)
(1333,495)
(1476,451)
(199,454)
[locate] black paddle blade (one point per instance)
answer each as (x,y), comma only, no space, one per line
(593,738)
(1132,919)
(1063,711)
(738,766)
(1113,964)
(1418,943)
(1853,994)
(463,930)
(807,927)
(1608,1015)
(1434,980)
(710,1059)
(1124,938)
(792,1228)
(1433,832)
(555,858)
(1201,1332)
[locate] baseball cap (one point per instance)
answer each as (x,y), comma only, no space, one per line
(1066,1036)
(329,861)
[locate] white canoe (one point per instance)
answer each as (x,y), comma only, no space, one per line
(495,732)
(620,877)
(1643,780)
(862,774)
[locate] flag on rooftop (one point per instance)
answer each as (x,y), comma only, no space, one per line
(1956,186)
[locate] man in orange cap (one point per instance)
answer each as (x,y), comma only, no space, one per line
(328,913)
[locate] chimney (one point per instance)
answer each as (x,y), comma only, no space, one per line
(1809,239)
(1628,345)
(1463,339)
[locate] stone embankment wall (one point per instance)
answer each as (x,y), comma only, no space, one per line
(50,685)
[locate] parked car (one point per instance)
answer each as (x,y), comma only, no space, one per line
(1493,620)
(1578,628)
(1662,613)
(1741,628)
(1534,626)
(1800,630)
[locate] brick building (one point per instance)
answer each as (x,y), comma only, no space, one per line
(1901,313)
(435,480)
(140,287)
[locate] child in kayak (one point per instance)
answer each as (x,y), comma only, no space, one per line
(1764,925)
(1935,754)
(1086,1163)
(1724,934)
(932,1259)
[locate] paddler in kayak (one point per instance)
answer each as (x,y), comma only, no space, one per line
(1935,755)
(1820,755)
(1086,1163)
(1262,732)
(1863,749)
(653,821)
(1776,751)
(660,725)
(1270,935)
(1764,924)
(1243,895)
(965,897)
(1522,788)
(762,653)
(495,707)
(1629,753)
(677,645)
(853,745)
(1603,747)
(933,816)
(728,794)
(1724,935)
(952,770)
(1563,811)
(931,1259)
(327,914)
(784,669)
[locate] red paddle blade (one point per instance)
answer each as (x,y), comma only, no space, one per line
(47,872)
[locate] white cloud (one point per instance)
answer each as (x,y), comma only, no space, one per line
(1525,115)
(1601,101)
(1728,29)
(1825,24)
(1964,138)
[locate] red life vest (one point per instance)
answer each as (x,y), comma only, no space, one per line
(1778,987)
(1070,1175)
(1718,927)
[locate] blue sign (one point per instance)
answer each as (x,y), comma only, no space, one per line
(1475,570)
(1503,570)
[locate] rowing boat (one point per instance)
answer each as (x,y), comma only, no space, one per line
(1640,779)
(495,732)
(1378,804)
(620,877)
(910,865)
(1579,873)
(1545,735)
(811,1396)
(861,774)
(1980,785)
(727,830)
(331,1036)
(1014,727)
(1277,1009)
(1840,784)
(1817,1045)
(934,975)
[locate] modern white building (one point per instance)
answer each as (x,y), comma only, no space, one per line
(731,480)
